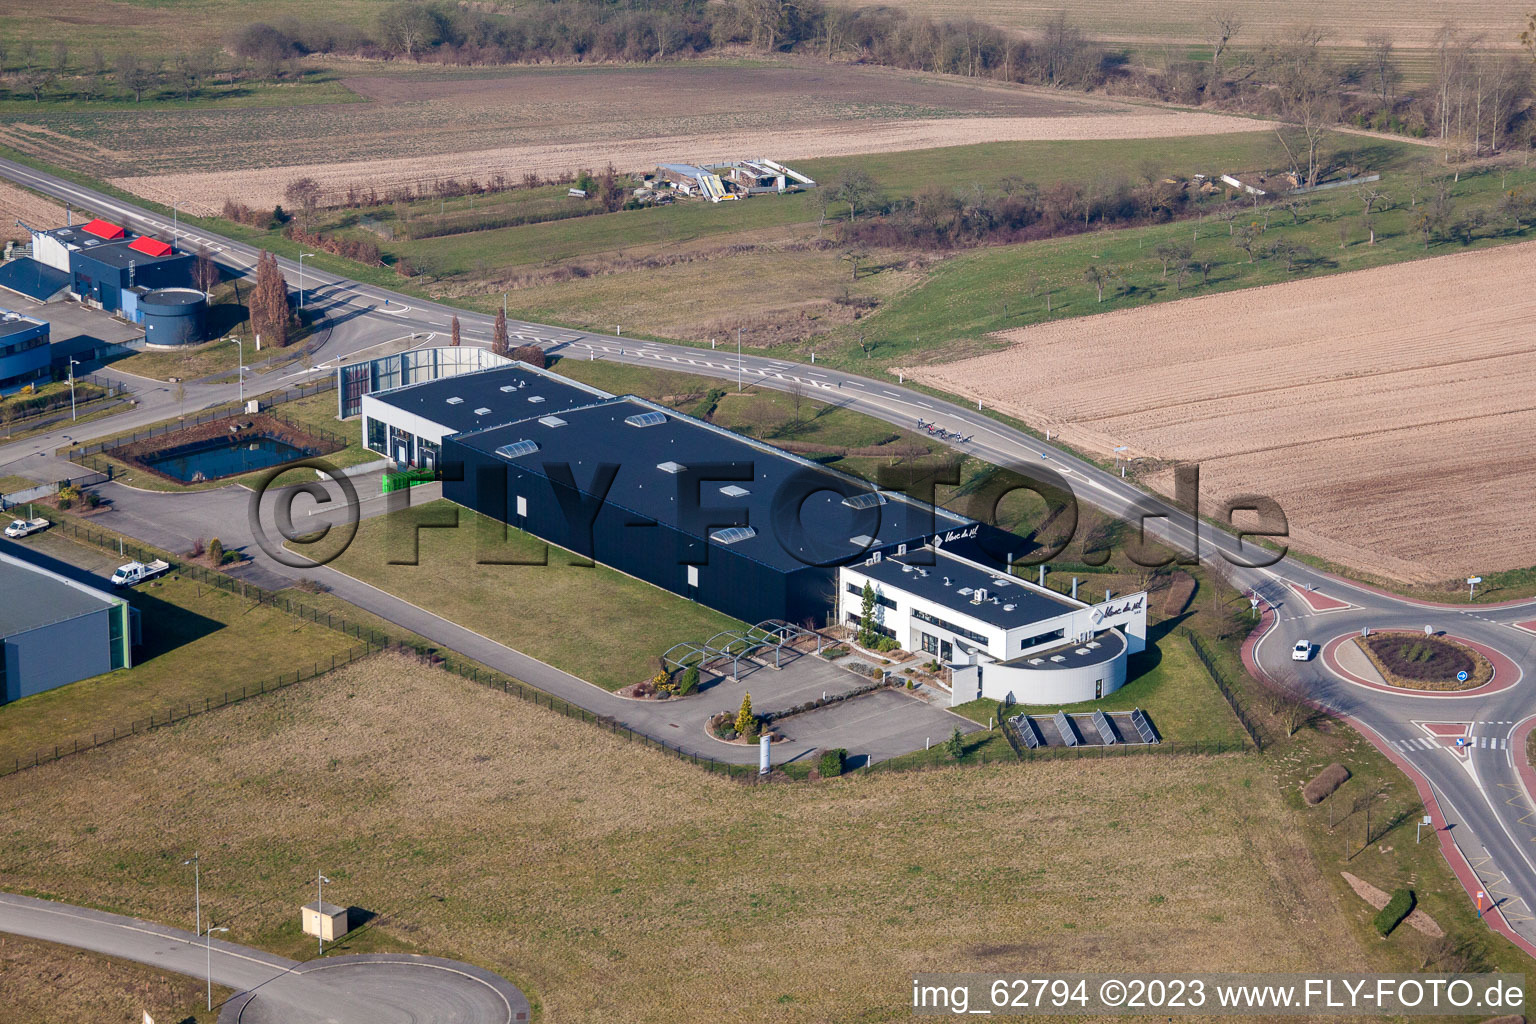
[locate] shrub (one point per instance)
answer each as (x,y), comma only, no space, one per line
(1321,787)
(746,721)
(91,498)
(1391,915)
(832,762)
(216,551)
(198,547)
(68,495)
(955,746)
(885,644)
(690,681)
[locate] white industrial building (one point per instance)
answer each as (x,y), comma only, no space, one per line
(1003,637)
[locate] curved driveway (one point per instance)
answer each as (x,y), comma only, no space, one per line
(1480,797)
(393,988)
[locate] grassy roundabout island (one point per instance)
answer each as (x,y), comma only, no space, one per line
(1415,661)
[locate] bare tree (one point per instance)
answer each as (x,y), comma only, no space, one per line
(1247,239)
(1383,68)
(61,58)
(1096,276)
(1370,197)
(854,257)
(134,75)
(1307,87)
(205,273)
(1293,205)
(1221,27)
(1172,254)
(856,188)
(303,195)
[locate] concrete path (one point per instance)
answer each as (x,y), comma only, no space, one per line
(367,989)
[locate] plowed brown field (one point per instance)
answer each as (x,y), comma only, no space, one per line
(426,125)
(19,204)
(1391,412)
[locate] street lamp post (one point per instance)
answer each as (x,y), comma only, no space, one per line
(208,955)
(72,364)
(240,359)
(197,888)
(301,279)
(738,359)
(320,881)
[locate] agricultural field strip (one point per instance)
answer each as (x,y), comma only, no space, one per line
(1330,425)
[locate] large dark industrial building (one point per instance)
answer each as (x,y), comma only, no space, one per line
(108,266)
(723,519)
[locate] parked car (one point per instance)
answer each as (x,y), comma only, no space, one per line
(1302,651)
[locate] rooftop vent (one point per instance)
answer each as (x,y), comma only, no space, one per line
(552,421)
(922,572)
(535,398)
(862,540)
(455,400)
(732,491)
(1058,657)
(964,591)
(998,581)
(1037,661)
(483,411)
(1081,650)
(732,534)
(509,388)
(646,419)
(516,448)
(981,595)
(868,499)
(906,568)
(946,581)
(671,467)
(1009,607)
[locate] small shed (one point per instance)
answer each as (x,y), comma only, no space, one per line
(326,920)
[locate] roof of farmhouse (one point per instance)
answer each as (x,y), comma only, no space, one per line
(952,582)
(703,480)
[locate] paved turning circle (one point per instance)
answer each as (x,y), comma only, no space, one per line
(381,988)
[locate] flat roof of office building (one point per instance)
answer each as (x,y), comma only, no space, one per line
(952,582)
(35,596)
(498,394)
(796,510)
(12,322)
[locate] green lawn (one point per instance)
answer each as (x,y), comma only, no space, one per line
(1166,681)
(593,622)
(199,643)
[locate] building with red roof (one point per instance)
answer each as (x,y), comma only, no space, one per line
(105,229)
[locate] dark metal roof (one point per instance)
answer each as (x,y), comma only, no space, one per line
(119,254)
(33,279)
(12,324)
(533,392)
(35,596)
(1104,648)
(940,578)
(796,505)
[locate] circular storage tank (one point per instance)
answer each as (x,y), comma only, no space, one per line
(173,316)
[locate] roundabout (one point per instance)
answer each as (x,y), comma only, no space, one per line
(1342,657)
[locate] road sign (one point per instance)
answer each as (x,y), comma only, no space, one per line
(1428,820)
(1461,741)
(1461,676)
(1474,579)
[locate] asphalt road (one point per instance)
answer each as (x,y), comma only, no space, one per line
(367,989)
(1482,814)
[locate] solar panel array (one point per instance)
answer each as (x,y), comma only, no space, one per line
(1028,732)
(1067,728)
(1101,723)
(1143,727)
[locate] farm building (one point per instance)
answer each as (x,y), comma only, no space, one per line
(55,630)
(710,515)
(1003,637)
(24,353)
(733,179)
(103,260)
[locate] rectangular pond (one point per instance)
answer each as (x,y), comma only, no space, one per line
(220,457)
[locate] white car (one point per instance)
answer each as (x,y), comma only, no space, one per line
(1302,651)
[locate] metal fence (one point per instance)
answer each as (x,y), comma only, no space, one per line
(1255,734)
(26,494)
(89,455)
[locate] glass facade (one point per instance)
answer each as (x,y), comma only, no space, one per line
(950,626)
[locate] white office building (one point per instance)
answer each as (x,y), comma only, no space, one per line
(1003,637)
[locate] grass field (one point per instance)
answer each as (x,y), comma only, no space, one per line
(199,642)
(1168,682)
(485,829)
(50,984)
(551,611)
